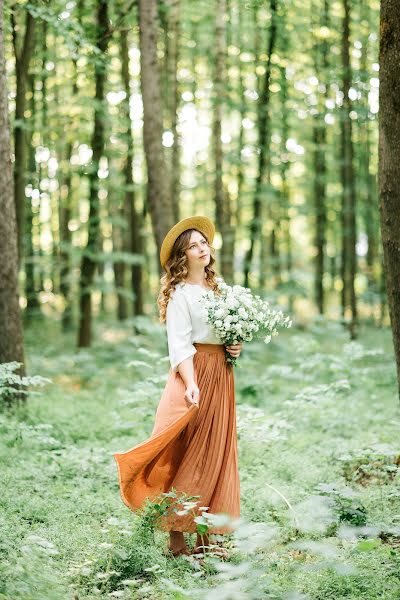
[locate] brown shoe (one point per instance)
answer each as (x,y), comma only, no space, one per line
(179,551)
(177,544)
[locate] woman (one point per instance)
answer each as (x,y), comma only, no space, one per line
(193,446)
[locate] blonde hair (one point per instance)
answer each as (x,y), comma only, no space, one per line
(176,271)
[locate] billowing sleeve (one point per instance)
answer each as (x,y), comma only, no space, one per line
(179,330)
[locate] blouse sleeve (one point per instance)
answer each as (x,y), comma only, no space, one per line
(179,330)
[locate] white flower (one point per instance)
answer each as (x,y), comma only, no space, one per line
(243,313)
(236,314)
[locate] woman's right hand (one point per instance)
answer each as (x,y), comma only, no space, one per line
(192,393)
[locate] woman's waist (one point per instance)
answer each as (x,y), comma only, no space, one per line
(208,347)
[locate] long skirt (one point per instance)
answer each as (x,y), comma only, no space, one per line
(192,449)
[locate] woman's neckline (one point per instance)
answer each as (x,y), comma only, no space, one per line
(197,285)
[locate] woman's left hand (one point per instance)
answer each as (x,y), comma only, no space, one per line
(234,349)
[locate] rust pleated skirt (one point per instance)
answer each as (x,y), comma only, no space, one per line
(192,449)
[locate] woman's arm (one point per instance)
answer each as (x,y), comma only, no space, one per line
(179,330)
(181,349)
(186,371)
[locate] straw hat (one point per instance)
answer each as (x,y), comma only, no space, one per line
(203,224)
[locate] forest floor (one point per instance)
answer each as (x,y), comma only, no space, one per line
(319,451)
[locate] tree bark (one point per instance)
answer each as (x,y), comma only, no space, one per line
(389,152)
(135,237)
(65,215)
(22,61)
(319,138)
(173,48)
(241,137)
(11,338)
(349,258)
(263,144)
(158,196)
(223,214)
(65,207)
(369,184)
(88,264)
(32,300)
(119,234)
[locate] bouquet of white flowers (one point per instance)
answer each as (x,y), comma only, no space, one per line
(238,316)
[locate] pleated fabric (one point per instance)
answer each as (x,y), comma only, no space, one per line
(192,448)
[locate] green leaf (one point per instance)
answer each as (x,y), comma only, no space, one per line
(201,528)
(367,545)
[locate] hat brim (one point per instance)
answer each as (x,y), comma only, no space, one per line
(203,224)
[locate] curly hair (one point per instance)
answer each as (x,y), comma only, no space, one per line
(176,271)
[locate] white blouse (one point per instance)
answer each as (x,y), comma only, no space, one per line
(186,323)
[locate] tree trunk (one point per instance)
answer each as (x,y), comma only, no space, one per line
(319,138)
(119,223)
(22,60)
(389,152)
(65,208)
(173,95)
(88,265)
(65,215)
(158,196)
(369,191)
(263,144)
(348,183)
(135,236)
(11,339)
(242,114)
(223,214)
(284,169)
(32,300)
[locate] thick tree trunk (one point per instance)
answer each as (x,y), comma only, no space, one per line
(158,196)
(11,340)
(389,152)
(88,265)
(263,144)
(135,235)
(22,60)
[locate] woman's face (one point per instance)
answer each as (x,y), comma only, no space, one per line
(198,251)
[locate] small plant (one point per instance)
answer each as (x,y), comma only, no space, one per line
(348,507)
(378,463)
(13,385)
(123,560)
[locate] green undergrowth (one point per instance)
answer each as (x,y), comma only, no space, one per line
(319,451)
